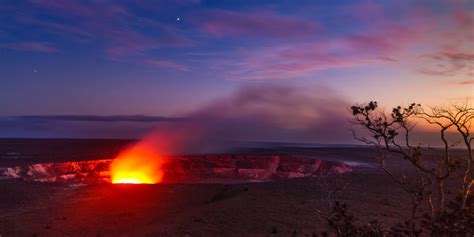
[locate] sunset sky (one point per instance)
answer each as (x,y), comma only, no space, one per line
(67,65)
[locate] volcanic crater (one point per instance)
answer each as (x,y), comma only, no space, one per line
(224,168)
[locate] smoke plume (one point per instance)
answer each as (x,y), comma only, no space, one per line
(259,113)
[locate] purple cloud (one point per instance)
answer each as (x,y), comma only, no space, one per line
(259,24)
(67,7)
(456,56)
(128,42)
(167,64)
(449,62)
(43,47)
(383,41)
(297,60)
(455,53)
(110,23)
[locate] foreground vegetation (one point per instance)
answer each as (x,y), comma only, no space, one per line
(391,135)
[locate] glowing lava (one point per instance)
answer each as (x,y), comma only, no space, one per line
(138,165)
(131,181)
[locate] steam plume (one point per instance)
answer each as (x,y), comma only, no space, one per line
(257,113)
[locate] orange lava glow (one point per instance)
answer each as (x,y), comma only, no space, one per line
(137,165)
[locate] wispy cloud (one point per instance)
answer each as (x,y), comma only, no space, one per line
(43,47)
(457,56)
(167,64)
(449,63)
(454,55)
(279,44)
(258,24)
(83,8)
(127,42)
(468,82)
(423,41)
(296,61)
(112,25)
(99,118)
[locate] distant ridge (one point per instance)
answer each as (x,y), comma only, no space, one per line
(296,144)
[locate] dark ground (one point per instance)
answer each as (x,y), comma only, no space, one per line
(258,209)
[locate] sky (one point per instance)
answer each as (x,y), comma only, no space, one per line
(116,69)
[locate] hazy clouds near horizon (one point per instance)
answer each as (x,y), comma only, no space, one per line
(251,113)
(261,112)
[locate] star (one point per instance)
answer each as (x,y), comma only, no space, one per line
(35,70)
(177,19)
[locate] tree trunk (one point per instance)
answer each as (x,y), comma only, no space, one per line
(440,195)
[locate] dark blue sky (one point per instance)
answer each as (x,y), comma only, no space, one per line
(170,58)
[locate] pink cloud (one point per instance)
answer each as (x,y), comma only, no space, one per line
(429,43)
(441,70)
(464,17)
(294,61)
(457,56)
(449,62)
(259,24)
(384,43)
(468,82)
(43,47)
(387,40)
(167,64)
(391,38)
(365,11)
(454,55)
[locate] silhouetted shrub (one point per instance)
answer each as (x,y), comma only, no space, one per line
(342,223)
(454,221)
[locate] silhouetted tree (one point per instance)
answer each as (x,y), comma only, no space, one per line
(460,118)
(390,133)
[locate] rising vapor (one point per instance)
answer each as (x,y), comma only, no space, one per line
(257,113)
